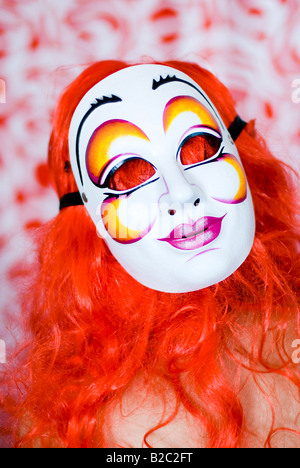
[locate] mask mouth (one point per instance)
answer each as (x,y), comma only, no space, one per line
(194,236)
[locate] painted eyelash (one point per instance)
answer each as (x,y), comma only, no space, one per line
(105,100)
(168,79)
(99,102)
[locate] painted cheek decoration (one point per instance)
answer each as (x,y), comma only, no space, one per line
(242,192)
(115,228)
(181,104)
(97,154)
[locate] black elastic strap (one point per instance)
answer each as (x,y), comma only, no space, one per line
(70,199)
(237,127)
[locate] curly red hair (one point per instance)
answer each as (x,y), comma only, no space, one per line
(93,328)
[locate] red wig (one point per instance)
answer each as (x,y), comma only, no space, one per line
(94,330)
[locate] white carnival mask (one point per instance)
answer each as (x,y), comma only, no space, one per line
(162,179)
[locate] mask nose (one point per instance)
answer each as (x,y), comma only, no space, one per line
(179,193)
(173,211)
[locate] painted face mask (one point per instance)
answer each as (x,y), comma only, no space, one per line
(162,179)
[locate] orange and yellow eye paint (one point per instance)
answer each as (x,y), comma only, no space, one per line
(98,151)
(182,104)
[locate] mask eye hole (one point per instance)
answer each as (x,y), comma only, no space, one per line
(198,148)
(130,174)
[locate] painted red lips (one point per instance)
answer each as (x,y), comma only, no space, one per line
(197,235)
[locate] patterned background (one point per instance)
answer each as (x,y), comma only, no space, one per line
(251,45)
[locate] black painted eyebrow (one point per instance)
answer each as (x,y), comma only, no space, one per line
(170,79)
(94,105)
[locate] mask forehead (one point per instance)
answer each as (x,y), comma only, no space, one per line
(141,81)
